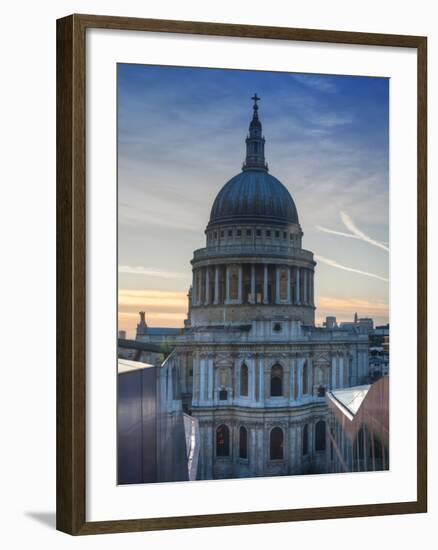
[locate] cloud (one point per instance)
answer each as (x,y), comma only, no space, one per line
(151,272)
(335,264)
(320,83)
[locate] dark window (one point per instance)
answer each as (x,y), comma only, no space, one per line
(360,440)
(276,444)
(320,436)
(191,372)
(305,440)
(222,441)
(239,232)
(243,442)
(223,395)
(243,379)
(277,234)
(215,234)
(268,232)
(222,233)
(230,232)
(284,235)
(277,381)
(305,379)
(378,451)
(277,327)
(249,232)
(258,232)
(321,391)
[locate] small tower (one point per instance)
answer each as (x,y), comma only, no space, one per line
(255,142)
(142,322)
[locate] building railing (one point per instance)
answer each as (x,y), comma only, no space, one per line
(252,250)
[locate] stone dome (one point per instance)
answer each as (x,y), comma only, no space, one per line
(253,196)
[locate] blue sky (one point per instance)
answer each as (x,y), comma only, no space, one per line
(181,135)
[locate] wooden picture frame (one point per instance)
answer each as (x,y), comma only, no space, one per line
(71,273)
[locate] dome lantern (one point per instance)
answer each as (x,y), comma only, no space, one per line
(255,142)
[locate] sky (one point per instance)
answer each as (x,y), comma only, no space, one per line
(181,137)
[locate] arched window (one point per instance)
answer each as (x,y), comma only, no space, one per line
(305,378)
(305,440)
(277,381)
(222,441)
(223,395)
(320,436)
(243,379)
(276,444)
(243,442)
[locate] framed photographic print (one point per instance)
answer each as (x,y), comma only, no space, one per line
(241,243)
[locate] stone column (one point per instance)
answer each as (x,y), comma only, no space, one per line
(288,285)
(261,396)
(202,380)
(210,379)
(334,365)
(277,284)
(286,381)
(292,380)
(292,447)
(216,285)
(210,450)
(193,288)
(227,283)
(312,288)
(341,372)
(300,377)
(347,372)
(252,448)
(207,286)
(253,285)
(239,291)
(265,284)
(252,380)
(306,287)
(297,285)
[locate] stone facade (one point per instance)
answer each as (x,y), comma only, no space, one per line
(252,366)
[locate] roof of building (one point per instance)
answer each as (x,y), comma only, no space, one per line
(161,331)
(254,196)
(138,345)
(349,400)
(124,365)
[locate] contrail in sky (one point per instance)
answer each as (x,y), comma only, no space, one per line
(332,263)
(349,224)
(356,233)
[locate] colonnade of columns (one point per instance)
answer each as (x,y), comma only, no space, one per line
(208,381)
(251,284)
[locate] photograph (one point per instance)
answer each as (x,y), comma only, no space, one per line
(253,274)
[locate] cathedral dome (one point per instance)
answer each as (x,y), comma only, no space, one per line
(253,196)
